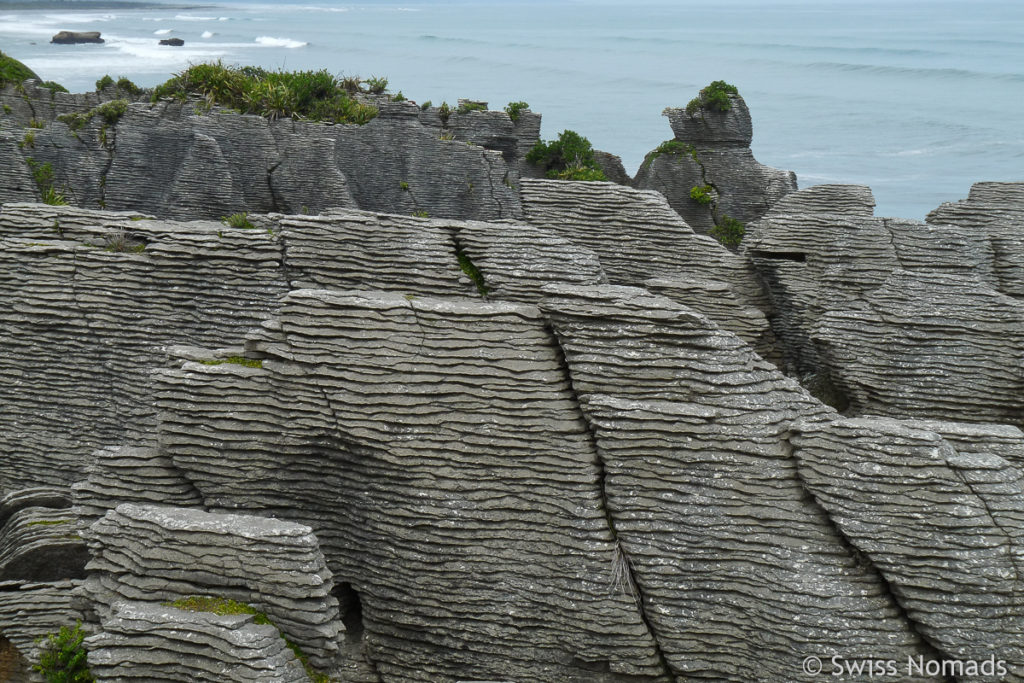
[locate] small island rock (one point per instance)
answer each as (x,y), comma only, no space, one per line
(175,42)
(75,37)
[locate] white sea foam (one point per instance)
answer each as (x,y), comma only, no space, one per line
(192,17)
(207,34)
(162,32)
(268,41)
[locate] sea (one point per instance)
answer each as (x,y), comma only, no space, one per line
(916,98)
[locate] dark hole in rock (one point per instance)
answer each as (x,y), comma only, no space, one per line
(351,610)
(780,255)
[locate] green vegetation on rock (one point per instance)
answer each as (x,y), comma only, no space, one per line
(128,87)
(104,82)
(570,157)
(701,194)
(238,220)
(62,657)
(53,87)
(234,360)
(43,175)
(13,71)
(376,84)
(729,231)
(514,109)
(468,106)
(111,112)
(473,272)
(713,97)
(46,522)
(313,95)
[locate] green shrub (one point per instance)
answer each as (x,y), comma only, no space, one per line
(7,109)
(128,87)
(701,194)
(121,242)
(112,111)
(398,97)
(53,87)
(404,186)
(514,109)
(238,220)
(713,97)
(13,71)
(466,107)
(104,82)
(376,84)
(445,112)
(729,231)
(44,177)
(425,106)
(28,142)
(570,157)
(313,95)
(351,84)
(63,658)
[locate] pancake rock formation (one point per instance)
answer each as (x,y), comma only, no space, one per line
(264,420)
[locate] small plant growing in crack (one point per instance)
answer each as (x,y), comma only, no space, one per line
(238,220)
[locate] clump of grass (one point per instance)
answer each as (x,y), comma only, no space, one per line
(122,243)
(398,97)
(28,141)
(351,84)
(467,106)
(7,109)
(13,71)
(729,231)
(376,85)
(570,157)
(426,105)
(312,95)
(701,194)
(234,360)
(36,123)
(421,214)
(514,109)
(713,97)
(63,658)
(404,186)
(104,82)
(238,220)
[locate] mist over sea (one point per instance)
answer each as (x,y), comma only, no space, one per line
(918,99)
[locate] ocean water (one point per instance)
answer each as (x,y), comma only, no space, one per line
(916,98)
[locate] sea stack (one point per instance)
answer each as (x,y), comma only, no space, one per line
(75,37)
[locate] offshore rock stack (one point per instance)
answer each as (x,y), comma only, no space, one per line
(550,431)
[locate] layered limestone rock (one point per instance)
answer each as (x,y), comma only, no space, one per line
(89,303)
(124,474)
(38,537)
(155,554)
(821,250)
(179,163)
(995,210)
(144,641)
(690,429)
(494,130)
(711,150)
(928,345)
(450,431)
(935,520)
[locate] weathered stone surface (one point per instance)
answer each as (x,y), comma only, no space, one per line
(146,641)
(517,261)
(611,165)
(155,554)
(176,162)
(38,537)
(935,521)
(635,234)
(813,260)
(928,345)
(690,429)
(472,504)
(717,154)
(493,130)
(82,327)
(122,474)
(995,210)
